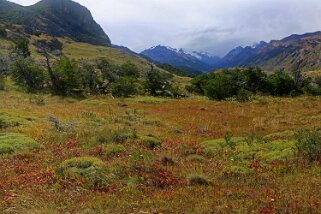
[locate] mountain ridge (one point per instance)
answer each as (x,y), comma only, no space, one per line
(195,62)
(60,18)
(295,52)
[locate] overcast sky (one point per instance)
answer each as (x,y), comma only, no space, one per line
(215,26)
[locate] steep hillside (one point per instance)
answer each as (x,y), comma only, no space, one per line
(61,18)
(296,52)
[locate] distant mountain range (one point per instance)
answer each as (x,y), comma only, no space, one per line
(194,62)
(65,18)
(296,52)
(60,18)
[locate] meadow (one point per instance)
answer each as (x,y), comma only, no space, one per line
(155,155)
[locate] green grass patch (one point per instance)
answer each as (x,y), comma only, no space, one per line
(150,142)
(150,100)
(13,142)
(12,120)
(89,168)
(113,149)
(269,151)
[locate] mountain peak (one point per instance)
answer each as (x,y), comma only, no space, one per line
(60,18)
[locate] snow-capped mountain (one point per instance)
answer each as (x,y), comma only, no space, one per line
(195,62)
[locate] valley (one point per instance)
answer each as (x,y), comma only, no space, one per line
(89,126)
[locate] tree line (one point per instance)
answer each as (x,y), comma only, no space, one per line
(69,77)
(242,83)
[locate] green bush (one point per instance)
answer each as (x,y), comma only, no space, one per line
(125,87)
(281,84)
(68,81)
(156,82)
(243,95)
(22,47)
(308,144)
(27,73)
(129,69)
(220,87)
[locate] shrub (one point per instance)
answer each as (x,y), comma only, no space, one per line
(22,47)
(220,86)
(243,95)
(281,84)
(27,73)
(109,71)
(308,144)
(90,168)
(156,81)
(197,180)
(12,142)
(67,77)
(91,80)
(150,142)
(125,87)
(129,69)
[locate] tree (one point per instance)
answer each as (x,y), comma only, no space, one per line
(198,83)
(129,69)
(66,73)
(108,71)
(220,86)
(90,78)
(281,84)
(125,87)
(156,81)
(27,73)
(255,79)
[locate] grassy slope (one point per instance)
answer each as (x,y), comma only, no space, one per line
(31,182)
(4,46)
(78,50)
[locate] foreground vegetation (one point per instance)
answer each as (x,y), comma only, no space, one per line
(149,154)
(95,136)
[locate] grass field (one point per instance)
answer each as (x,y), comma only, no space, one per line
(155,155)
